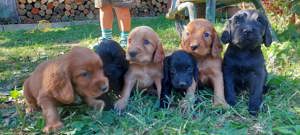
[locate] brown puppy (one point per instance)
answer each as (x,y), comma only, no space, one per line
(55,82)
(145,54)
(201,39)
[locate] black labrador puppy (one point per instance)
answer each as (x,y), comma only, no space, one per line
(180,73)
(244,64)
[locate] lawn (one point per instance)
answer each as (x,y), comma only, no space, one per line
(22,51)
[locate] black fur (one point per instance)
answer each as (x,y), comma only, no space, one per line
(180,69)
(114,63)
(244,64)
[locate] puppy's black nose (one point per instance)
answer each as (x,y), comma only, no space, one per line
(247,30)
(132,54)
(182,84)
(104,88)
(194,47)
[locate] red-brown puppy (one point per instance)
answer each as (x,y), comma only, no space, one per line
(145,54)
(56,82)
(201,40)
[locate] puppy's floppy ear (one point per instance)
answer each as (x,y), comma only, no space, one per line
(159,54)
(268,36)
(216,47)
(166,83)
(226,35)
(60,85)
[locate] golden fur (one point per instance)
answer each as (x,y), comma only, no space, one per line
(145,68)
(56,82)
(201,40)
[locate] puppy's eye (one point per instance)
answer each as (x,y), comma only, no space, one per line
(146,42)
(187,33)
(206,34)
(129,40)
(189,70)
(172,71)
(261,20)
(85,74)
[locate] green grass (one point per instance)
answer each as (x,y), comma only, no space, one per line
(22,51)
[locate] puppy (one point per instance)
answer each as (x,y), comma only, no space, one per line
(181,74)
(145,54)
(201,40)
(56,82)
(244,64)
(115,64)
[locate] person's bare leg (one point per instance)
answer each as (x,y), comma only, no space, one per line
(106,21)
(124,22)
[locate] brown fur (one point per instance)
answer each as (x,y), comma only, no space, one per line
(56,82)
(207,54)
(145,68)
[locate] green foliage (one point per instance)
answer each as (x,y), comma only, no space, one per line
(22,51)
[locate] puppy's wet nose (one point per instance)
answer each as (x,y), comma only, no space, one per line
(132,54)
(182,84)
(247,30)
(104,88)
(194,47)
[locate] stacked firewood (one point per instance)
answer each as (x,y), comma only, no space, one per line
(150,8)
(32,11)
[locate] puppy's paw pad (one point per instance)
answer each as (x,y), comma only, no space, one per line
(53,127)
(120,105)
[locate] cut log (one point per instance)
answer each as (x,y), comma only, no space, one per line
(37,4)
(35,11)
(50,5)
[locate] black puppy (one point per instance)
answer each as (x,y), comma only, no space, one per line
(244,64)
(114,63)
(180,73)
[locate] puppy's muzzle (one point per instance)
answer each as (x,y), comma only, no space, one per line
(104,88)
(133,54)
(194,47)
(247,31)
(182,84)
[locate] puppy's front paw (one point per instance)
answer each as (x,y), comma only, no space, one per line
(185,105)
(99,105)
(30,110)
(53,127)
(120,105)
(218,102)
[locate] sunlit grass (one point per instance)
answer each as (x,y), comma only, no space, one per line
(22,51)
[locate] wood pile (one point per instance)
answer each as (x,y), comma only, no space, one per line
(150,8)
(32,11)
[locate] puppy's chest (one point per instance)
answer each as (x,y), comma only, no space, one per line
(145,77)
(204,72)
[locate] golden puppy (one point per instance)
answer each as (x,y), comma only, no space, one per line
(145,54)
(201,40)
(56,82)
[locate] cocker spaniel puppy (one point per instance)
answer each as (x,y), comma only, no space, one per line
(57,82)
(181,75)
(244,64)
(145,54)
(115,66)
(201,40)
